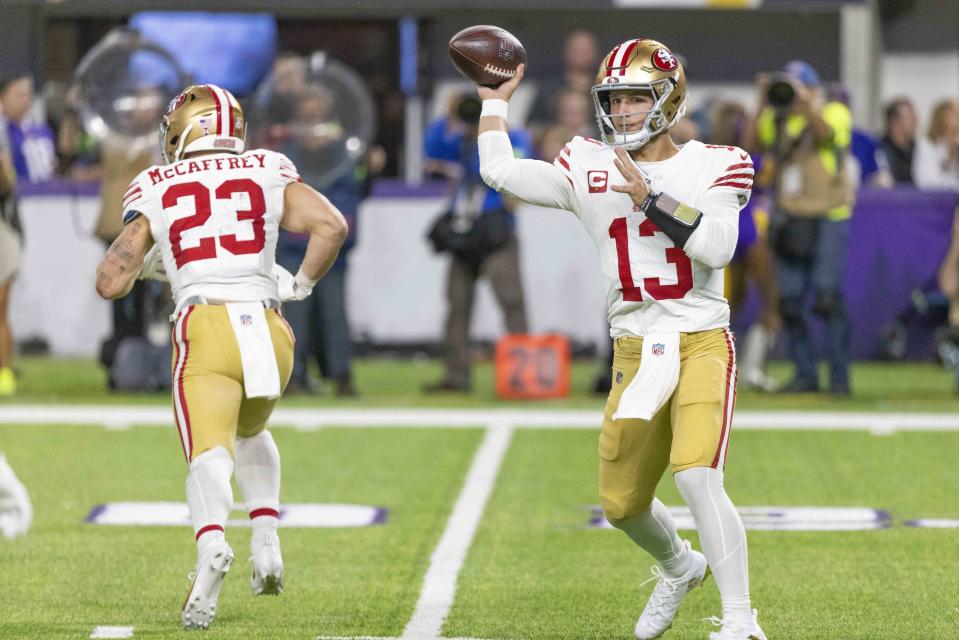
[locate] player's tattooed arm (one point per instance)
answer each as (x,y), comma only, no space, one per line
(118,270)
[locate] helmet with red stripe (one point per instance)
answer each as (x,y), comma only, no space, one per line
(639,65)
(204,117)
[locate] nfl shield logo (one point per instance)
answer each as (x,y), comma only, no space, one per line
(246,320)
(659,349)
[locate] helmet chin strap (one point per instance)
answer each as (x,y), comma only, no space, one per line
(644,135)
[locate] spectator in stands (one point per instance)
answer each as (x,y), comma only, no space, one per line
(478,231)
(936,163)
(752,260)
(685,130)
(805,139)
(574,117)
(31,139)
(120,165)
(580,59)
(316,148)
(78,150)
(868,165)
(9,261)
(900,139)
(276,101)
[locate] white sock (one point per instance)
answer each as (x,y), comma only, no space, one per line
(209,494)
(258,476)
(722,535)
(655,531)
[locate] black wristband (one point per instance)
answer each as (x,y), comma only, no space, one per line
(673,218)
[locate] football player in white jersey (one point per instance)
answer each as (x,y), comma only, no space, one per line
(664,220)
(208,220)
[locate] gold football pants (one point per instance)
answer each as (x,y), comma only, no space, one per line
(690,430)
(209,403)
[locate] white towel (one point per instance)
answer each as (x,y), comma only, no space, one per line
(261,376)
(656,379)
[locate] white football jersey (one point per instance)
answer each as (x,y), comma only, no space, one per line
(216,219)
(652,285)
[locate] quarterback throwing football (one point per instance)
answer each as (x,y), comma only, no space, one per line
(664,220)
(208,221)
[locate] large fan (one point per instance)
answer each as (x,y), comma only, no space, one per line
(123,86)
(318,111)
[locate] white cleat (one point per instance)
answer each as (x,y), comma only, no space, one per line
(267,565)
(668,594)
(737,630)
(211,567)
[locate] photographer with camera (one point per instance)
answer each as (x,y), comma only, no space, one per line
(804,140)
(478,232)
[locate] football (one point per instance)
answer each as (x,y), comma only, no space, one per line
(487,55)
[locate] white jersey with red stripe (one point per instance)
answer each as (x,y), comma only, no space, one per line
(652,285)
(216,220)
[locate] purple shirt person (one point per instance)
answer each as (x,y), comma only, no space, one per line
(32,146)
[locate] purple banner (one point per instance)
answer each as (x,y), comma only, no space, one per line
(897,240)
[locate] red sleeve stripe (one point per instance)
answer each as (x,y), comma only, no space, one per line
(294,178)
(596,142)
(129,201)
(734,176)
(730,183)
(567,151)
(133,189)
(562,161)
(556,164)
(741,165)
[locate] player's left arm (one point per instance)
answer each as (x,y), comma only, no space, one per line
(706,232)
(121,265)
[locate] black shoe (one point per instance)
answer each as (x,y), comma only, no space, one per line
(298,387)
(840,390)
(798,385)
(345,388)
(446,386)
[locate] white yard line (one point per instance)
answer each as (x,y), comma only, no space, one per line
(439,585)
(308,419)
(112,632)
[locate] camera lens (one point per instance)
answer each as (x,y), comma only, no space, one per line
(781,93)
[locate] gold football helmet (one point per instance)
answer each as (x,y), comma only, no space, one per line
(644,65)
(204,117)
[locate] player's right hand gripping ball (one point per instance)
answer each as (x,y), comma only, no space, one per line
(487,55)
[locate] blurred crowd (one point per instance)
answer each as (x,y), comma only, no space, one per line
(787,248)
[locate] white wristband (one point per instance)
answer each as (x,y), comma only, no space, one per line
(495,107)
(303,281)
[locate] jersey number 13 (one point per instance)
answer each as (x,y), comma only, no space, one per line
(618,231)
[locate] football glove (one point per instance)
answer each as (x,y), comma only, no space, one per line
(152,268)
(290,287)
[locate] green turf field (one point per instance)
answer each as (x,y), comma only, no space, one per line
(534,570)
